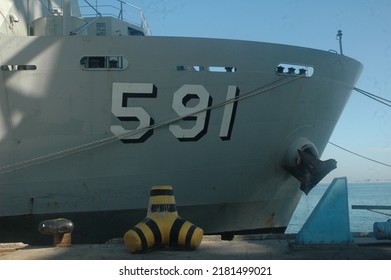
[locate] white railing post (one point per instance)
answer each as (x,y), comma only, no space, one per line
(67,17)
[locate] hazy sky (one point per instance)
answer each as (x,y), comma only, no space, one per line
(365,126)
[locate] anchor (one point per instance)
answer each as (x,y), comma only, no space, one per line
(310,170)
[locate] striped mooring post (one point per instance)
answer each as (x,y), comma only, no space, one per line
(162,225)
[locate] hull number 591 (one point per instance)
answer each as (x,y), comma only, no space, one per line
(197,114)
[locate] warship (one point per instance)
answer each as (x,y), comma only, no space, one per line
(95,110)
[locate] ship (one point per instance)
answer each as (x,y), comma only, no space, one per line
(95,110)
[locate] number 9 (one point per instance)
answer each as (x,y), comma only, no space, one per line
(180,105)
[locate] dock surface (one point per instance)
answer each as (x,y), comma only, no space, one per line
(253,247)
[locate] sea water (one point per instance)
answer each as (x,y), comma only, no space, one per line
(368,193)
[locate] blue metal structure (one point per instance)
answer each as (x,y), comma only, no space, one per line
(329,221)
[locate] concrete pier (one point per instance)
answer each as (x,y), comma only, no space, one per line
(249,247)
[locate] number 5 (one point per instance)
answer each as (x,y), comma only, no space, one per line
(119,107)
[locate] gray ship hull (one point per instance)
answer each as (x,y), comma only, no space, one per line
(88,142)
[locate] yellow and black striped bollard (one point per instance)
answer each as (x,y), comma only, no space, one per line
(162,226)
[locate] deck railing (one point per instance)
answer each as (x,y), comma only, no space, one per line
(118,9)
(97,8)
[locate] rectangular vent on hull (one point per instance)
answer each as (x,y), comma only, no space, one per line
(221,69)
(198,68)
(12,68)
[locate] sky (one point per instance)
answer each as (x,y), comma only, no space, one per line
(365,125)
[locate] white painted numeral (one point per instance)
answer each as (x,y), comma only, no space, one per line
(120,95)
(229,113)
(180,104)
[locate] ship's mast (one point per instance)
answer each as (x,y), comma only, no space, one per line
(339,38)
